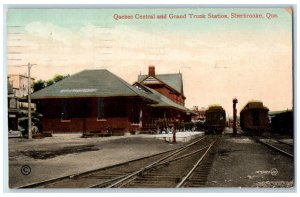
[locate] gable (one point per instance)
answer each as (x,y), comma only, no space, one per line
(151,80)
(174,81)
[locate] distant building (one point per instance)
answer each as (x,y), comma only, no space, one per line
(170,85)
(20,84)
(13,108)
(200,114)
(20,88)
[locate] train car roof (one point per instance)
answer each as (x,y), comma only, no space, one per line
(215,108)
(254,105)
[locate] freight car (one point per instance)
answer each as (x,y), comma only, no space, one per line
(215,119)
(254,118)
(282,122)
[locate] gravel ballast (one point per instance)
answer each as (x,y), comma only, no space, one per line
(242,162)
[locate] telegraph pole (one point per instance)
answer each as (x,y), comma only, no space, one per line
(29,102)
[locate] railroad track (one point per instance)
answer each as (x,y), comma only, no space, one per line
(197,176)
(277,145)
(183,170)
(282,142)
(121,175)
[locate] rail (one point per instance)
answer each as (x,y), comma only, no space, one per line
(118,183)
(274,147)
(114,180)
(185,178)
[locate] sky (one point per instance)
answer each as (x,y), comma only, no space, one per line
(219,58)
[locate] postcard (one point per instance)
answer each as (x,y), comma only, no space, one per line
(150,97)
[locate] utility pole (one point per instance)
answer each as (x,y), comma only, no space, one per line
(29,102)
(29,99)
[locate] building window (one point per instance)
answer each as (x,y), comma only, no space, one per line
(65,111)
(12,103)
(116,109)
(100,109)
(135,115)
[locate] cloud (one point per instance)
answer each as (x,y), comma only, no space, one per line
(215,68)
(49,31)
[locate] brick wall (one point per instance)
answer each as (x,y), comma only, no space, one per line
(166,92)
(84,115)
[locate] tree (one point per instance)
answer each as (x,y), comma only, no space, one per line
(57,78)
(40,84)
(49,82)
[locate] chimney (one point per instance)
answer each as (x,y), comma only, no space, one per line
(151,71)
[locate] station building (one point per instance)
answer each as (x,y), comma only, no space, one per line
(170,85)
(96,99)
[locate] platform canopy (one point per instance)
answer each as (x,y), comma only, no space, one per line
(162,101)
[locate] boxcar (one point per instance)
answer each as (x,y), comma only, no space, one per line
(282,122)
(254,118)
(215,119)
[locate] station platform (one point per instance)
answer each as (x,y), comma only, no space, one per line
(180,136)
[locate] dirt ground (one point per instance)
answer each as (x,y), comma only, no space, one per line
(242,162)
(68,154)
(239,161)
